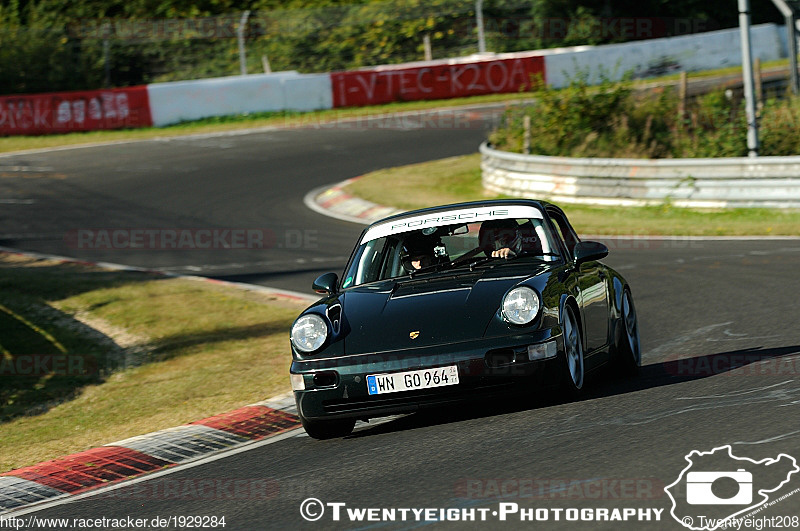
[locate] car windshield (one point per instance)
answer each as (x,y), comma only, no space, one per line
(449,241)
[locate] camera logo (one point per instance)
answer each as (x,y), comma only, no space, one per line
(699,488)
(716,487)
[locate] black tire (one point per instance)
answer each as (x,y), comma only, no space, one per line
(328,429)
(628,348)
(573,362)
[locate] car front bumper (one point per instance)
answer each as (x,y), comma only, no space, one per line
(337,387)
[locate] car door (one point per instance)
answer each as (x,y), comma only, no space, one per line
(592,288)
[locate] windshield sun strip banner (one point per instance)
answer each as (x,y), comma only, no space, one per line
(450,217)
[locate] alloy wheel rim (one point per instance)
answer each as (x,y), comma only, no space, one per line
(573,352)
(629,316)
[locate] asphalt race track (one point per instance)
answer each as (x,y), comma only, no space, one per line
(718,324)
(253,182)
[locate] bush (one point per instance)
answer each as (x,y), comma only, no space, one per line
(778,127)
(715,126)
(614,120)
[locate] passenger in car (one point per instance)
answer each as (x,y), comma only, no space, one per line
(419,251)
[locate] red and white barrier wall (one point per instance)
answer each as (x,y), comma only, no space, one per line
(435,80)
(65,112)
(162,104)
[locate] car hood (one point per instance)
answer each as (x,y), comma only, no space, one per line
(438,309)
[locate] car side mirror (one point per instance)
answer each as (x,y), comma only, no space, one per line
(589,251)
(325,284)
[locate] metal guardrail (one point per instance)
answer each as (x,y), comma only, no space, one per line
(768,182)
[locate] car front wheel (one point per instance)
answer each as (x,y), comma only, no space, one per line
(573,353)
(629,354)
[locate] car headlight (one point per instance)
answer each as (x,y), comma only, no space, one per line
(309,333)
(520,305)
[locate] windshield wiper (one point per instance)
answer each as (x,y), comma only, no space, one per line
(481,261)
(538,256)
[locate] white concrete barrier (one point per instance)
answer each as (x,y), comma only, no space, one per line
(308,92)
(703,51)
(192,100)
(770,182)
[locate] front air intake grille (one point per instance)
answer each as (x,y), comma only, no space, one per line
(500,357)
(325,379)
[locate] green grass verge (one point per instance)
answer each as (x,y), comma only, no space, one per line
(183,350)
(459,179)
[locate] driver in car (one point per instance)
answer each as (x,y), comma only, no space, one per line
(500,238)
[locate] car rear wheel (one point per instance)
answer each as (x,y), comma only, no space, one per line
(328,429)
(573,353)
(629,354)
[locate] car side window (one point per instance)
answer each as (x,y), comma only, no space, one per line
(367,266)
(392,263)
(564,230)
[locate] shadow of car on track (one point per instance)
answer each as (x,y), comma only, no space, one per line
(753,361)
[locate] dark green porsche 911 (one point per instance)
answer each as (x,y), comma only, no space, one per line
(445,303)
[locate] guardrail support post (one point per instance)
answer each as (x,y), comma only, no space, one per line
(683,89)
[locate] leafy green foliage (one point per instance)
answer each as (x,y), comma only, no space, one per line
(778,126)
(613,120)
(50,45)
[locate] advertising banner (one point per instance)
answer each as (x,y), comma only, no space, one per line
(65,112)
(436,81)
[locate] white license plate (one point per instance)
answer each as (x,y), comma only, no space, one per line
(378,384)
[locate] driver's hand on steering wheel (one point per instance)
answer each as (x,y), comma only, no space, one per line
(505,252)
